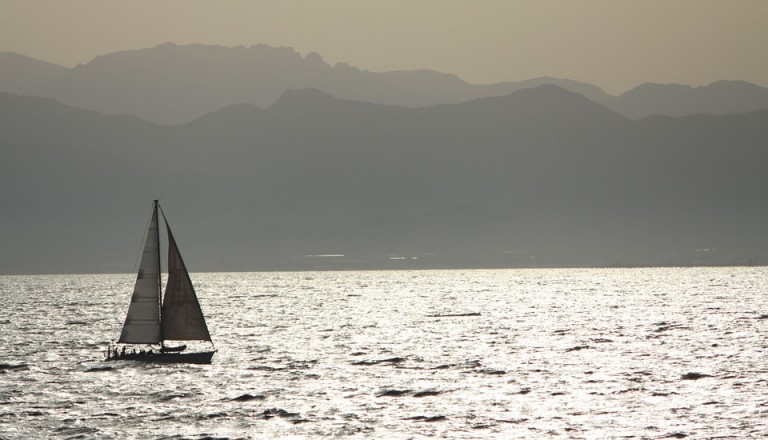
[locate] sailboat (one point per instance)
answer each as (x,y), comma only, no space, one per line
(153,318)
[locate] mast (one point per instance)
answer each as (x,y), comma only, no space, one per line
(159,274)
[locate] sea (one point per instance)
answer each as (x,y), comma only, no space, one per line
(637,353)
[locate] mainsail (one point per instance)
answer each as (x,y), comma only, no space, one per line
(182,317)
(142,324)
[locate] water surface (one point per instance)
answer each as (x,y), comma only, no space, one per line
(567,353)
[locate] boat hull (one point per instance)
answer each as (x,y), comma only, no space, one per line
(204,357)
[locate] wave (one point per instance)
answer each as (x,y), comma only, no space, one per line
(11,367)
(248,398)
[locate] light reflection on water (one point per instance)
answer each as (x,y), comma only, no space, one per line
(576,353)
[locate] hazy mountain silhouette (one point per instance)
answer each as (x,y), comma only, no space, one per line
(542,176)
(718,98)
(447,88)
(176,84)
(172,84)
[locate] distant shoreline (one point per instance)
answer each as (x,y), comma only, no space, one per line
(372,268)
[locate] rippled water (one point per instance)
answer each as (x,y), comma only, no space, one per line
(542,353)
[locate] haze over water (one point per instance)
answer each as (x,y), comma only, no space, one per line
(559,353)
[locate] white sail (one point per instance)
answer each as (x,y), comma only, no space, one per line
(182,317)
(142,325)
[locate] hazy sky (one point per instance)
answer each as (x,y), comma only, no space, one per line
(615,44)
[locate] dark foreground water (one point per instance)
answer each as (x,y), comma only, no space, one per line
(615,353)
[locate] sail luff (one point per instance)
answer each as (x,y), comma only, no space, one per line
(142,323)
(183,318)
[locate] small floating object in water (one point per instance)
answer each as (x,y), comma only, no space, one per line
(394,360)
(601,340)
(450,315)
(98,369)
(694,376)
(248,398)
(515,421)
(427,393)
(491,371)
(427,418)
(392,393)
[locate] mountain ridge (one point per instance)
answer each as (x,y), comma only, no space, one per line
(175,84)
(720,97)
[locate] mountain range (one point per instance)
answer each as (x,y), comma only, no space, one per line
(172,84)
(542,176)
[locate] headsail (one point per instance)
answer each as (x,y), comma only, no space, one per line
(142,325)
(182,317)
